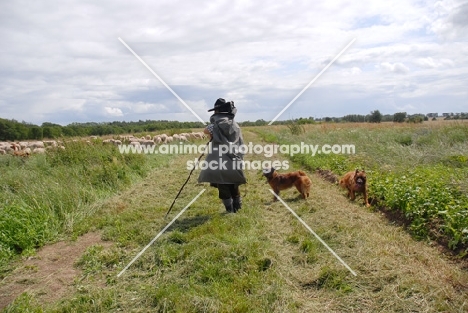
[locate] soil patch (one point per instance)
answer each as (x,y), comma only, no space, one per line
(50,273)
(328,175)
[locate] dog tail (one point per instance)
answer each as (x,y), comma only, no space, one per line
(343,183)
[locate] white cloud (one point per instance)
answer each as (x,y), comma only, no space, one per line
(114,112)
(354,71)
(57,58)
(398,68)
(142,107)
(451,21)
(429,62)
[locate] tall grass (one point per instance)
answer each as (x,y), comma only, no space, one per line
(420,170)
(48,196)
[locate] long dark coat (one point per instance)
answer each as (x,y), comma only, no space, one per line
(227,133)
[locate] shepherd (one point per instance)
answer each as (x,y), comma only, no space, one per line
(226,138)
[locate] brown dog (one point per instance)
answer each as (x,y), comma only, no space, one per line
(280,182)
(355,181)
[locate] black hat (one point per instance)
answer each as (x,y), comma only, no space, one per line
(222,106)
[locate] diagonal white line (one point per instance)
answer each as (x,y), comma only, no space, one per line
(160,79)
(160,233)
(313,233)
(311,82)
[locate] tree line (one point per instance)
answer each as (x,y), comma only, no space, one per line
(13,130)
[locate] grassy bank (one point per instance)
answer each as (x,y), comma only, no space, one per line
(50,196)
(420,171)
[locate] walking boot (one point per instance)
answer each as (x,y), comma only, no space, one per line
(237,203)
(228,205)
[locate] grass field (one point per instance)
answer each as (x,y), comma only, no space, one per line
(259,260)
(418,170)
(50,197)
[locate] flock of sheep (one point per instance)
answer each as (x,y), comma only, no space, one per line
(149,140)
(25,148)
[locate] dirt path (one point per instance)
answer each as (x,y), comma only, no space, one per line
(395,273)
(49,273)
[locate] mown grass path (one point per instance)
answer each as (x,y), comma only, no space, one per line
(259,260)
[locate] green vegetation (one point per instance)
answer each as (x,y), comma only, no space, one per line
(13,130)
(259,260)
(48,196)
(420,171)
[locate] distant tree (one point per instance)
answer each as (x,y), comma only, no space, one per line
(260,122)
(387,118)
(51,131)
(416,118)
(375,117)
(48,124)
(399,117)
(13,130)
(354,118)
(36,133)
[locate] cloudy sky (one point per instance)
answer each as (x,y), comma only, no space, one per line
(62,61)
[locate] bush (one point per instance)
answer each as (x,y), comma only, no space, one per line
(296,128)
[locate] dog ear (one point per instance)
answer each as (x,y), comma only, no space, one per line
(357,171)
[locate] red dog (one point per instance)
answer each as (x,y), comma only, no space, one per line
(355,181)
(280,182)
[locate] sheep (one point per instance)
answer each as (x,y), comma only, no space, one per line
(163,138)
(17,151)
(147,142)
(169,139)
(198,135)
(183,138)
(50,143)
(36,144)
(39,150)
(5,147)
(27,150)
(15,147)
(23,144)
